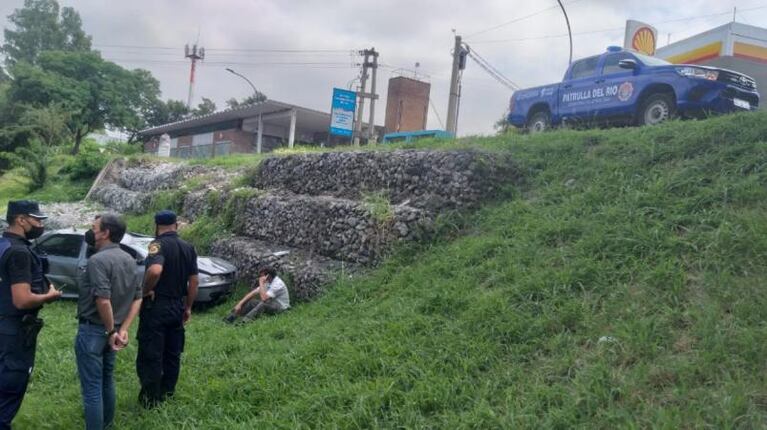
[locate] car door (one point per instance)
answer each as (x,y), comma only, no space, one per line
(618,86)
(66,260)
(575,99)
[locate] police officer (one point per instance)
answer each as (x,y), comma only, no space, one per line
(170,287)
(23,290)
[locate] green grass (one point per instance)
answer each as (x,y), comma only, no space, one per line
(59,187)
(623,287)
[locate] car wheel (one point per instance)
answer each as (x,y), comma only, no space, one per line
(656,109)
(539,122)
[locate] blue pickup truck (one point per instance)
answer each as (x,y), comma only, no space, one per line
(626,87)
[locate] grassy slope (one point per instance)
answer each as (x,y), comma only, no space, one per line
(622,287)
(59,188)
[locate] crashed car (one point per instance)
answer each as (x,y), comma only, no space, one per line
(67,255)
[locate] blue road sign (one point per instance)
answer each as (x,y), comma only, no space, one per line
(342,112)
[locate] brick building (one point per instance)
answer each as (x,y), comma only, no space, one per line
(407,104)
(256,128)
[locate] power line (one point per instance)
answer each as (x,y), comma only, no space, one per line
(515,20)
(434,109)
(608,30)
(308,65)
(494,72)
(286,51)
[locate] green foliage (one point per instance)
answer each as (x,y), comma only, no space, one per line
(32,161)
(122,148)
(233,103)
(159,112)
(202,233)
(41,25)
(205,107)
(231,162)
(379,206)
(235,204)
(96,93)
(15,184)
(169,199)
(143,224)
(87,164)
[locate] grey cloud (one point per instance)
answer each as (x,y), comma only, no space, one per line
(403,31)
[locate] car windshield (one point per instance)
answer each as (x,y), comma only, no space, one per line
(651,61)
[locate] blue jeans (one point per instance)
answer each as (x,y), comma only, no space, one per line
(95,365)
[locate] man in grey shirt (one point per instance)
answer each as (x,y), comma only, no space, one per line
(109,300)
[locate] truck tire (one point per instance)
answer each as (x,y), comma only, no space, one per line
(539,122)
(656,109)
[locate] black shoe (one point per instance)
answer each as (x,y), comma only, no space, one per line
(147,400)
(229,319)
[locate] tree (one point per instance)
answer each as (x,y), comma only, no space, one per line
(41,25)
(253,99)
(42,129)
(166,112)
(95,92)
(177,111)
(155,113)
(205,107)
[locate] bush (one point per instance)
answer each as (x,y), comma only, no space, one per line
(87,164)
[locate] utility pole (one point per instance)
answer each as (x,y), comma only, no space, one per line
(194,54)
(459,63)
(372,123)
(360,101)
(362,95)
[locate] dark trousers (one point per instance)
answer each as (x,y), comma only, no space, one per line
(17,357)
(160,344)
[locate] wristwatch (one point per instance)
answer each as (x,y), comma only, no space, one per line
(110,332)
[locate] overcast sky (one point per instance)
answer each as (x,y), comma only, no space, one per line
(151,34)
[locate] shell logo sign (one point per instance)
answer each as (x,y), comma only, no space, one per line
(640,37)
(644,41)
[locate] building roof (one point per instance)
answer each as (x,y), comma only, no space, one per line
(731,39)
(308,118)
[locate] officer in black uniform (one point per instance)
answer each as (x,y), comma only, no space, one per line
(170,287)
(23,290)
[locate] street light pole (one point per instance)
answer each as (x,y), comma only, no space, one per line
(569,32)
(255,91)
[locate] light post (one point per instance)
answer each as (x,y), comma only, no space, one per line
(255,91)
(569,32)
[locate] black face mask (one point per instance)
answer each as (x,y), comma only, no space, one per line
(35,232)
(90,238)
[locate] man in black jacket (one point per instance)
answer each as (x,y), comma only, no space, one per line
(23,291)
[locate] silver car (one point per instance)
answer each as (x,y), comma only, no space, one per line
(67,255)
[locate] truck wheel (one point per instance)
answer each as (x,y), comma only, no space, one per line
(656,109)
(539,122)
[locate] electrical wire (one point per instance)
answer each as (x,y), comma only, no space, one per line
(285,51)
(515,20)
(493,71)
(434,109)
(609,30)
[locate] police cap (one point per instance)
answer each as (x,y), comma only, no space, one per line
(25,207)
(165,217)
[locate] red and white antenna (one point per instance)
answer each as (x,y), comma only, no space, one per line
(193,54)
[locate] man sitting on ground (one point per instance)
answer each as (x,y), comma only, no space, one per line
(271,296)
